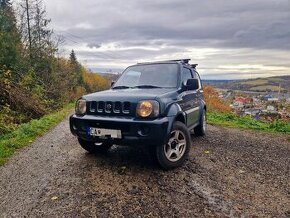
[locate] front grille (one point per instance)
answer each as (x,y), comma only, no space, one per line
(109,108)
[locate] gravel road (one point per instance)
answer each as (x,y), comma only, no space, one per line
(230,173)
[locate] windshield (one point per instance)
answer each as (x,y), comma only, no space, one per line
(149,76)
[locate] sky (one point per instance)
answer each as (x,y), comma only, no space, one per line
(228,39)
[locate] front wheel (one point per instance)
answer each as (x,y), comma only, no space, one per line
(93,147)
(175,152)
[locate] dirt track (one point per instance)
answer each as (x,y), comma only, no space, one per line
(230,173)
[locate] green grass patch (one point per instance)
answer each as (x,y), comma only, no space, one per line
(255,82)
(27,132)
(266,87)
(246,122)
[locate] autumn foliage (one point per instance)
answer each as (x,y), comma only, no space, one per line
(213,101)
(94,82)
(34,79)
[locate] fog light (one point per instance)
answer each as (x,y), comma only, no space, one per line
(143,130)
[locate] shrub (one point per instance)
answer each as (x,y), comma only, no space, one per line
(213,102)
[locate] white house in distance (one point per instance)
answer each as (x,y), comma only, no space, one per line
(270,108)
(273,99)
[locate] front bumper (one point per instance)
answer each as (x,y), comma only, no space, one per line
(134,131)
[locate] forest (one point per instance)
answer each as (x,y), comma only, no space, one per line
(34,79)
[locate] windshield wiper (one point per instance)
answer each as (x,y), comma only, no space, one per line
(146,87)
(121,87)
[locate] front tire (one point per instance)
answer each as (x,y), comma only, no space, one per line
(175,152)
(200,130)
(93,147)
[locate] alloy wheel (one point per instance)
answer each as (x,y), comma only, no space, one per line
(176,146)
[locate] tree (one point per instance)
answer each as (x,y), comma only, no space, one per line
(36,34)
(72,57)
(10,42)
(76,70)
(5,3)
(33,81)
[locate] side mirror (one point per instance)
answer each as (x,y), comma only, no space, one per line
(112,83)
(192,84)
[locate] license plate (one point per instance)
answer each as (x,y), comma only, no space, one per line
(105,133)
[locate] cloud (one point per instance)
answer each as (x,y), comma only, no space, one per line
(93,45)
(109,33)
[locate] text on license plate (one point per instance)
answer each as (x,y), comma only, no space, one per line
(113,133)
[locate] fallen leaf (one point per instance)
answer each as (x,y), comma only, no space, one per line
(54,198)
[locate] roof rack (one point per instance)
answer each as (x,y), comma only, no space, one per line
(185,61)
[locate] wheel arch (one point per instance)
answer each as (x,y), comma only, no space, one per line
(180,117)
(175,112)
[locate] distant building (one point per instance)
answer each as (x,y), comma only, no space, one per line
(273,99)
(270,108)
(240,102)
(256,99)
(252,111)
(266,97)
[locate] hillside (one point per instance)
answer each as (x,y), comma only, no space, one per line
(259,84)
(110,76)
(216,82)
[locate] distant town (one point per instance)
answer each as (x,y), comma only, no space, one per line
(267,106)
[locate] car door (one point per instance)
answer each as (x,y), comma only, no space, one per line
(190,103)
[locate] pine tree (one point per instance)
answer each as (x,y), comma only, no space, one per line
(42,42)
(72,57)
(77,79)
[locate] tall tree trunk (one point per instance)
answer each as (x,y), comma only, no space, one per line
(28,27)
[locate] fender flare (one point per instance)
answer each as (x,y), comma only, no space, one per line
(175,111)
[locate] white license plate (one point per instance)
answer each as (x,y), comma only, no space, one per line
(105,133)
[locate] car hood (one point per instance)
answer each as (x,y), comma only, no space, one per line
(130,95)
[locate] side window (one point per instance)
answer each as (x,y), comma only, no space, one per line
(186,74)
(196,75)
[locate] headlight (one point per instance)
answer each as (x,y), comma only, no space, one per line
(148,108)
(81,107)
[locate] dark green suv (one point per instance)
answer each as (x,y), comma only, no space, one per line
(151,104)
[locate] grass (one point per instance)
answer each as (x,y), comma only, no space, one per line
(246,122)
(27,132)
(255,82)
(266,87)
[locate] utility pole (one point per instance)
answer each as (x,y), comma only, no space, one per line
(28,26)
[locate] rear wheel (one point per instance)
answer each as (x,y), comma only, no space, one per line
(93,147)
(200,130)
(175,152)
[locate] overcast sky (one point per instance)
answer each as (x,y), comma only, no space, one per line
(229,39)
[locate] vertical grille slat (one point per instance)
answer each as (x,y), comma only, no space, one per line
(126,107)
(117,107)
(101,106)
(93,106)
